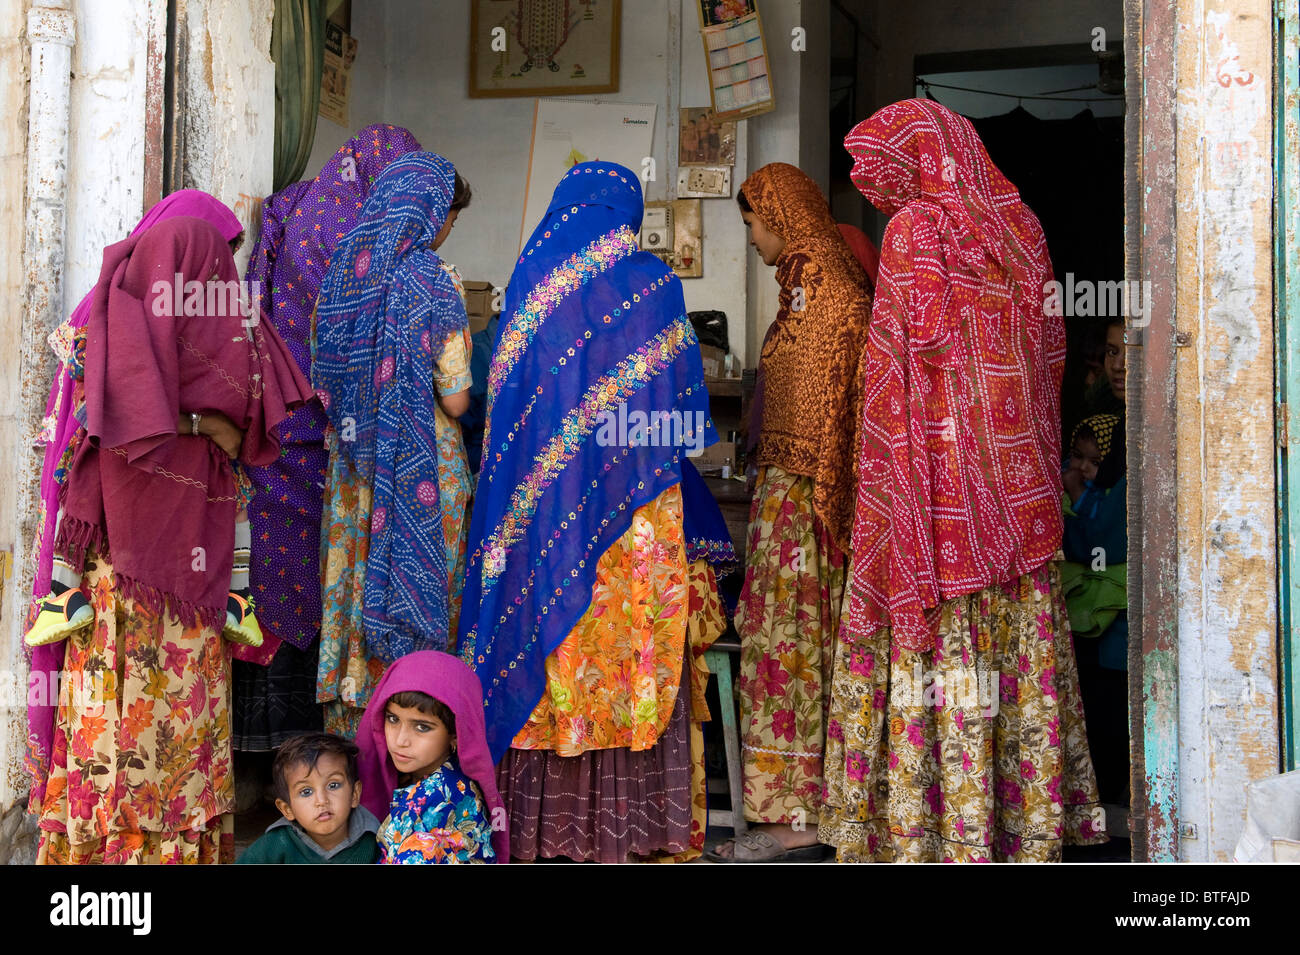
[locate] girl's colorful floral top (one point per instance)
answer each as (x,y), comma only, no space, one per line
(439,820)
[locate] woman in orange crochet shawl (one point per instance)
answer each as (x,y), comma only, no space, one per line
(803,437)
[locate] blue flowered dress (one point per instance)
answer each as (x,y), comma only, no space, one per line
(439,820)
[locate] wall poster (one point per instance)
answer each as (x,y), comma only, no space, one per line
(567,132)
(336,74)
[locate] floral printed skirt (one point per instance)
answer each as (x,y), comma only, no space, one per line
(140,770)
(973,752)
(347,673)
(613,681)
(787,619)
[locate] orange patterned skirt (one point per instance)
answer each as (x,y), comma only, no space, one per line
(611,761)
(141,767)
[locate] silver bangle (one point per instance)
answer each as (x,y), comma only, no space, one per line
(195,417)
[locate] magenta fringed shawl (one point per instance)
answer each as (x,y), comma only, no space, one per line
(161,506)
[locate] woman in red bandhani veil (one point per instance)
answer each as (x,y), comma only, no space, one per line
(956,727)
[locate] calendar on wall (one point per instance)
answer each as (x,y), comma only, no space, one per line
(740,80)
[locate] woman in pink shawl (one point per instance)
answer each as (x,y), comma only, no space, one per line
(140,769)
(61,432)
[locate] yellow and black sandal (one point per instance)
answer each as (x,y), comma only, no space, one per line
(241,626)
(60,617)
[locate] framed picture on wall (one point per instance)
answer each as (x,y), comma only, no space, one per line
(543,47)
(702,140)
(740,82)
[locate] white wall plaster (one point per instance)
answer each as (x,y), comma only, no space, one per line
(1228,616)
(422,85)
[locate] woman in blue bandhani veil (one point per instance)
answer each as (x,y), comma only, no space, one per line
(576,613)
(386,308)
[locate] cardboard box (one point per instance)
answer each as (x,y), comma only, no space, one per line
(715,361)
(715,456)
(478,300)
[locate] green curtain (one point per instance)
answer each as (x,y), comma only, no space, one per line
(298,49)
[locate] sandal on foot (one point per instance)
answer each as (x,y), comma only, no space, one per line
(755,845)
(60,617)
(241,625)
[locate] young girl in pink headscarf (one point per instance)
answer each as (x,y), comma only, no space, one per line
(425,767)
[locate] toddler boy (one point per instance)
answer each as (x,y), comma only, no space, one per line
(319,794)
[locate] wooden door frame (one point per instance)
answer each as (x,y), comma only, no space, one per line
(1150,194)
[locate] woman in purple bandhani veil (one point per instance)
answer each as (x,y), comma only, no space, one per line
(61,433)
(275,688)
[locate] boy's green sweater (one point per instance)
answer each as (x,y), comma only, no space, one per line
(285,844)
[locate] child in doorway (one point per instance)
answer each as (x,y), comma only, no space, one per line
(318,792)
(425,763)
(1095,582)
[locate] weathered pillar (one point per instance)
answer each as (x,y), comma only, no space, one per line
(51,31)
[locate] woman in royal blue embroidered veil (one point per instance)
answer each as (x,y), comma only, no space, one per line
(385,309)
(575,612)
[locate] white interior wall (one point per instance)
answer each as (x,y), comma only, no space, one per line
(417,77)
(795,132)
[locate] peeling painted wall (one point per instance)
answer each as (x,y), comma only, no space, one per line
(13,185)
(1227,618)
(232,93)
(106,145)
(229,115)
